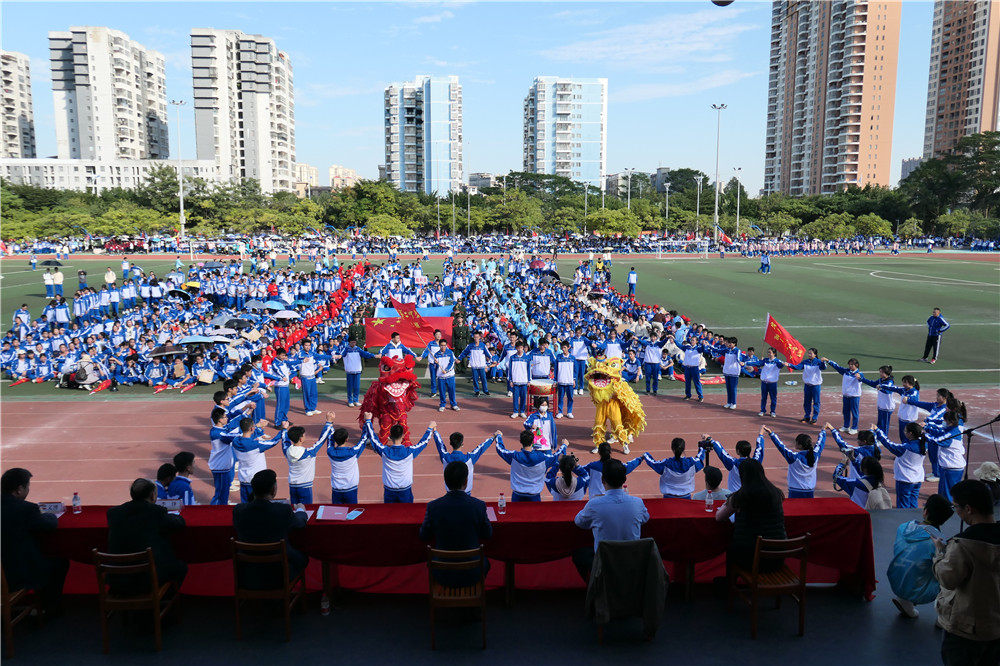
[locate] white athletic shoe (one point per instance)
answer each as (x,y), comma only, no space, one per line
(773,415)
(727,406)
(440,409)
(320,381)
(625,448)
(559,416)
(906,608)
(852,431)
(760,413)
(844,429)
(510,394)
(522,415)
(594,450)
(570,416)
(456,408)
(514,415)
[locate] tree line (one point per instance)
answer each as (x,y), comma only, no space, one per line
(953,195)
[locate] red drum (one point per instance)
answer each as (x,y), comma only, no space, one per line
(538,388)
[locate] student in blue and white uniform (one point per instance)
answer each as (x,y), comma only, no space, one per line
(565,381)
(281,373)
(812,384)
(519,372)
(542,420)
(302,460)
(527,467)
(652,358)
(249,448)
(310,366)
(886,405)
(633,278)
(456,440)
(868,476)
(851,391)
(397,463)
(396,349)
(677,474)
(732,365)
(580,348)
(567,480)
(344,474)
(478,356)
(632,367)
(936,326)
(937,410)
(221,462)
(353,356)
(596,468)
(444,360)
(429,353)
(802,462)
(164,477)
(908,411)
(180,487)
(542,360)
(692,363)
(908,468)
(951,450)
(770,371)
(743,453)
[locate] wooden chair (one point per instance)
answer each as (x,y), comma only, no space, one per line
(155,600)
(267,558)
(784,581)
(444,596)
(17,606)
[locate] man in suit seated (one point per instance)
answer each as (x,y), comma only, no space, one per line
(21,524)
(263,521)
(456,521)
(140,524)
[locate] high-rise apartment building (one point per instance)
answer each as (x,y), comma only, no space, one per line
(423,135)
(963,88)
(110,96)
(341,177)
(18,111)
(565,128)
(831,95)
(244,106)
(306,173)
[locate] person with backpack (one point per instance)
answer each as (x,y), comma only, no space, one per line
(868,490)
(910,572)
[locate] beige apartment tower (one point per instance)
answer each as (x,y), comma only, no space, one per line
(831,95)
(18,110)
(963,88)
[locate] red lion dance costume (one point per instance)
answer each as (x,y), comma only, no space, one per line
(391,396)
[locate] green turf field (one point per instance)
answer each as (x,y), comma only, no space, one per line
(872,308)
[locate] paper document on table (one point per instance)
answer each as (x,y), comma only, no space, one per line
(491,514)
(332,513)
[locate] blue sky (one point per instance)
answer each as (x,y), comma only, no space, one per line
(666,62)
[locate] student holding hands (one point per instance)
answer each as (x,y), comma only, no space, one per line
(802,462)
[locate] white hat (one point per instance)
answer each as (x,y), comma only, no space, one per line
(988,471)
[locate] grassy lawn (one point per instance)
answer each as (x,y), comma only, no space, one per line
(872,308)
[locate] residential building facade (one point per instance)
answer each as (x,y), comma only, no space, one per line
(307,174)
(565,128)
(94,175)
(18,110)
(342,177)
(831,95)
(110,96)
(423,135)
(963,88)
(244,106)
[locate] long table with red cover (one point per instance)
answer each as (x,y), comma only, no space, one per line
(381,552)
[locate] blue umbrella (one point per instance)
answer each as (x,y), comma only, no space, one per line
(302,302)
(275,305)
(193,339)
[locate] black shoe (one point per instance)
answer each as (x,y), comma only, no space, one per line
(114,389)
(655,393)
(476,394)
(487,393)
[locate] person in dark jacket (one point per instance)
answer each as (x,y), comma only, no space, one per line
(21,524)
(456,521)
(758,509)
(263,521)
(140,524)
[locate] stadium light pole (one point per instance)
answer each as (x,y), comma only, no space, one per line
(718,136)
(666,208)
(697,213)
(739,186)
(180,167)
(629,196)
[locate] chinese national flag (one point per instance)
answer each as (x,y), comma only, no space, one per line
(415,331)
(726,239)
(776,336)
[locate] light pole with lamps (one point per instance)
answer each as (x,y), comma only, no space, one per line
(629,172)
(697,214)
(718,135)
(666,208)
(180,166)
(739,186)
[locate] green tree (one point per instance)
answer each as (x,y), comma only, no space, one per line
(873,225)
(911,228)
(954,224)
(383,225)
(828,227)
(977,157)
(932,188)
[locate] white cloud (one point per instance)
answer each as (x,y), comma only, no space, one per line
(646,91)
(705,36)
(434,18)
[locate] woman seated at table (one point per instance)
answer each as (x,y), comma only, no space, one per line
(757,511)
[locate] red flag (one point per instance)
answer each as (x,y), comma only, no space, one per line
(690,236)
(776,336)
(414,330)
(726,239)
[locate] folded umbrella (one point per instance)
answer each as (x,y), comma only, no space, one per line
(287,314)
(166,350)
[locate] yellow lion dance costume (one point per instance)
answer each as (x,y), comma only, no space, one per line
(615,402)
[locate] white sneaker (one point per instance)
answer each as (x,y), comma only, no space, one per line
(570,416)
(852,431)
(522,415)
(844,429)
(514,415)
(440,409)
(906,608)
(510,394)
(456,408)
(760,413)
(594,450)
(559,416)
(320,381)
(727,406)
(732,406)
(773,415)
(625,448)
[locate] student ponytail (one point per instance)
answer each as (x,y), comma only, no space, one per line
(915,431)
(887,370)
(604,452)
(805,443)
(677,446)
(912,381)
(953,404)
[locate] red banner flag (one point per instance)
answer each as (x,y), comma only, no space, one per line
(776,336)
(415,331)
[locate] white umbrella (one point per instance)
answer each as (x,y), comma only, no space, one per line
(287,314)
(224,331)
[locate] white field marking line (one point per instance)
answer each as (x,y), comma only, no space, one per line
(761,325)
(956,281)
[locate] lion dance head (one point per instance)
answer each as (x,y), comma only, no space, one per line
(391,396)
(615,402)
